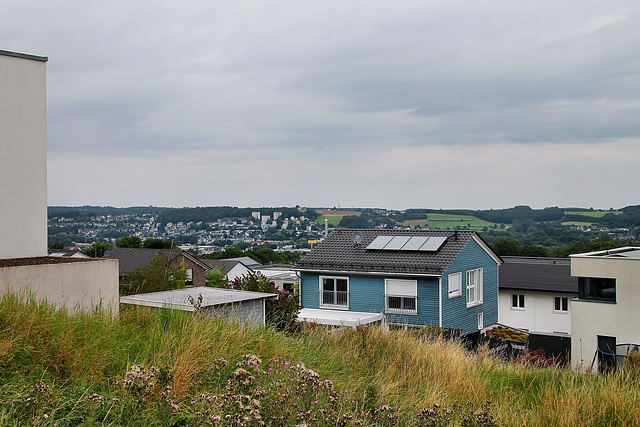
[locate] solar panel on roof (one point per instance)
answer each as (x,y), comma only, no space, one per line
(407,243)
(433,244)
(396,243)
(379,242)
(414,243)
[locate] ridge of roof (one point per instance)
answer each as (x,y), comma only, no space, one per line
(535,260)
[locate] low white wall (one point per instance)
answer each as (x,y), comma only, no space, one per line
(75,285)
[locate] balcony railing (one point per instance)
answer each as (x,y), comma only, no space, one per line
(334,299)
(400,304)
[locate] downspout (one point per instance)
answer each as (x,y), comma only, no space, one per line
(440,302)
(498,293)
(299,274)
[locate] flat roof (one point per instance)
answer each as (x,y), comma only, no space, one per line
(351,319)
(179,298)
(23,55)
(629,252)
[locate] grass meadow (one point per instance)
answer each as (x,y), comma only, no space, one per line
(444,221)
(592,214)
(168,368)
(334,217)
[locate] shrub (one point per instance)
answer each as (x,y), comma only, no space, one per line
(280,312)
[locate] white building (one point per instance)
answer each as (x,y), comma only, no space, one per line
(243,306)
(24,262)
(605,316)
(23,159)
(536,293)
(232,269)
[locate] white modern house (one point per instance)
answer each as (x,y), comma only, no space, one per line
(605,316)
(25,266)
(536,293)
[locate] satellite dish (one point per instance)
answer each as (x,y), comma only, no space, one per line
(357,237)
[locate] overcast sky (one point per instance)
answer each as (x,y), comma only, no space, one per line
(397,104)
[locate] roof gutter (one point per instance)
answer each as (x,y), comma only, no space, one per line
(367,273)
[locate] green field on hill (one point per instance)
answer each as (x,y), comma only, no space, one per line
(444,221)
(592,214)
(334,217)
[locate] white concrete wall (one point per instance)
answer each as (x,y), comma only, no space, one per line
(538,314)
(590,319)
(80,284)
(23,158)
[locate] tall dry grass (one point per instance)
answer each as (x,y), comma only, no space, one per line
(78,354)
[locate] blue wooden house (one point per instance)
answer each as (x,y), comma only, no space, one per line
(406,277)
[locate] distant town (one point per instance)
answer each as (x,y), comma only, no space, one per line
(203,230)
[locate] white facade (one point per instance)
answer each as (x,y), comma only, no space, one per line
(23,156)
(537,315)
(618,318)
(237,271)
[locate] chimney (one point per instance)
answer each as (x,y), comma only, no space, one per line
(326,227)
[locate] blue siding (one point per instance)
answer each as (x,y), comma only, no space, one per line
(455,313)
(309,290)
(366,294)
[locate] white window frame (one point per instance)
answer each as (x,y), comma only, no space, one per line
(455,278)
(521,299)
(480,320)
(474,288)
(321,291)
(409,292)
(189,280)
(561,311)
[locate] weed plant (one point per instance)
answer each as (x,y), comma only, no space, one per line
(164,368)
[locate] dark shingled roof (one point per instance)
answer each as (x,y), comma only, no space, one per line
(538,275)
(337,252)
(132,258)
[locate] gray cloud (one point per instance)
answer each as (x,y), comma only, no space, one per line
(326,90)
